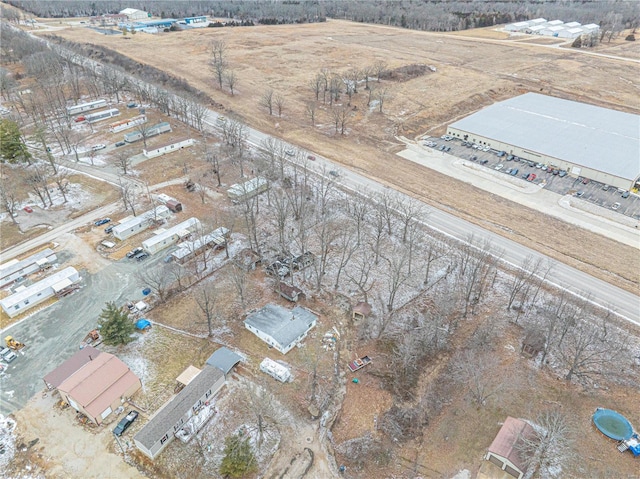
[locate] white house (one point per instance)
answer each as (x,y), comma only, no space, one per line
(140,223)
(134,14)
(276,371)
(571,32)
(177,413)
(39,292)
(82,107)
(279,327)
(13,270)
(122,125)
(171,236)
(248,189)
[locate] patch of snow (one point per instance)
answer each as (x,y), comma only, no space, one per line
(463,474)
(7,440)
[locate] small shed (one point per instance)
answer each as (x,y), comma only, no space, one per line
(532,344)
(224,359)
(361,311)
(504,452)
(289,292)
(174,205)
(143,324)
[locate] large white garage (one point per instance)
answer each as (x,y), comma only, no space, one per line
(585,140)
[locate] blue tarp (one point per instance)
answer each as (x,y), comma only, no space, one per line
(143,324)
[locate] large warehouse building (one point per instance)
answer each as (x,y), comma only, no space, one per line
(585,140)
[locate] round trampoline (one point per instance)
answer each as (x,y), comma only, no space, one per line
(612,424)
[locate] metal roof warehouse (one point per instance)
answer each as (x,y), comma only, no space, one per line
(586,140)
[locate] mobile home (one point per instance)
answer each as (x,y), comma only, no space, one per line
(101,115)
(83,107)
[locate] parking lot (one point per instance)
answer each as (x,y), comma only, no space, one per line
(558,182)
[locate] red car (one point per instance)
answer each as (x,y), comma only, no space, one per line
(78,119)
(311,157)
(28,209)
(531,177)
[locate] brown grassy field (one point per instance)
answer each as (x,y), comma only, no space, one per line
(471,73)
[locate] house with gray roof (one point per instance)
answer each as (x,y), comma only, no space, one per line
(175,415)
(279,327)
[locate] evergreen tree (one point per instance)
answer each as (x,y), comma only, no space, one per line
(12,148)
(115,325)
(238,457)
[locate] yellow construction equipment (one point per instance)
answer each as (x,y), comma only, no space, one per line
(12,343)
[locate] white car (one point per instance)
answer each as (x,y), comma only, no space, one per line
(615,206)
(499,167)
(99,146)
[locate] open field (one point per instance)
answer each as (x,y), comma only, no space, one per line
(471,73)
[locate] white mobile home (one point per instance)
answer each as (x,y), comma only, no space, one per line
(151,131)
(275,370)
(101,115)
(40,291)
(122,125)
(9,272)
(83,107)
(189,249)
(140,223)
(248,189)
(163,150)
(171,236)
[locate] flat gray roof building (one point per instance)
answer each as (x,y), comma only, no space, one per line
(588,139)
(280,327)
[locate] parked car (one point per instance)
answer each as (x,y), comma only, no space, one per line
(7,355)
(514,172)
(28,209)
(132,104)
(580,194)
(562,174)
(585,181)
(556,172)
(502,153)
(99,146)
(510,158)
(508,171)
(605,187)
(134,252)
(289,152)
(484,162)
(498,167)
(334,173)
(625,194)
(125,422)
(109,229)
(615,206)
(311,157)
(79,119)
(120,143)
(531,177)
(141,256)
(103,221)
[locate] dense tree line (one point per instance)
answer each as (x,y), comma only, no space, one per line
(434,15)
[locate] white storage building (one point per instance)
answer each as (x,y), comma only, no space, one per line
(571,32)
(585,140)
(9,272)
(552,31)
(39,292)
(134,14)
(135,225)
(171,236)
(517,27)
(535,29)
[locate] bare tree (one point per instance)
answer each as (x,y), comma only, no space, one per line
(361,277)
(207,301)
(549,446)
(382,94)
(367,71)
(311,112)
(231,79)
(218,61)
(346,246)
(123,162)
(128,195)
(279,102)
(341,117)
(396,274)
(9,196)
(267,101)
(239,279)
(316,84)
(157,279)
(38,180)
(379,68)
(477,372)
(61,179)
(264,408)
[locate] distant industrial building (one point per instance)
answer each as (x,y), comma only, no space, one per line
(585,140)
(134,14)
(39,292)
(553,28)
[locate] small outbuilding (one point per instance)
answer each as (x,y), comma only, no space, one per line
(504,452)
(361,311)
(143,324)
(289,292)
(279,327)
(224,359)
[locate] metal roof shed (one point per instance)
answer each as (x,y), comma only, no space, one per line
(224,359)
